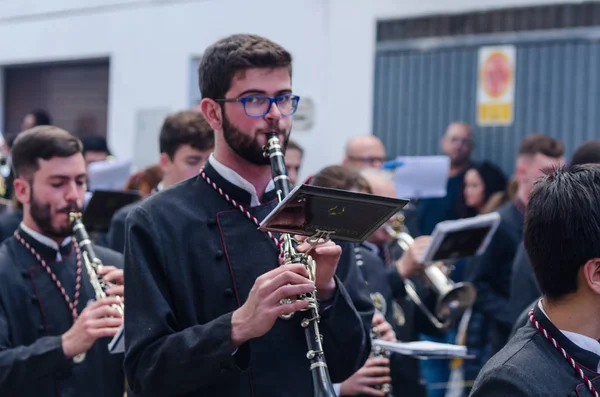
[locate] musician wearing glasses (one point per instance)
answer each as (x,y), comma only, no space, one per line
(53,336)
(204,317)
(364,151)
(557,352)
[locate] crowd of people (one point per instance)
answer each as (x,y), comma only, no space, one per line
(203,288)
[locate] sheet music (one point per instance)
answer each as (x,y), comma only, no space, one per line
(469,225)
(109,175)
(117,344)
(423,348)
(421,176)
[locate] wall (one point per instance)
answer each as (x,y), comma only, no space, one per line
(151,43)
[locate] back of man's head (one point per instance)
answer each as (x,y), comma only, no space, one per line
(562,225)
(185,128)
(380,181)
(587,153)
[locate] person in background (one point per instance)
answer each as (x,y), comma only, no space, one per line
(53,336)
(293,160)
(95,148)
(457,144)
(490,272)
(556,353)
(524,290)
(409,320)
(34,118)
(186,140)
(482,183)
(364,151)
(376,371)
(484,189)
(145,181)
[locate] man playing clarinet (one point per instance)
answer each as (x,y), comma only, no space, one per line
(203,311)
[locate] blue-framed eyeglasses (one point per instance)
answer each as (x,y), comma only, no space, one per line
(259,105)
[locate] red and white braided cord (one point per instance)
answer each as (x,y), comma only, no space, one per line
(75,302)
(564,353)
(244,210)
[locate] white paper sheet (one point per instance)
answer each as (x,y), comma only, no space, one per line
(109,175)
(421,176)
(423,348)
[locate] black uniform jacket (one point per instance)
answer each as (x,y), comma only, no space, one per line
(33,317)
(191,260)
(530,366)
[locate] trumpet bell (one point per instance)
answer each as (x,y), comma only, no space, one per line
(451,305)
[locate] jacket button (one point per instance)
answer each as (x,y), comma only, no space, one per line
(41,328)
(228,293)
(34,299)
(211,222)
(25,274)
(219,254)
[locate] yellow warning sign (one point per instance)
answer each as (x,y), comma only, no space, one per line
(496,86)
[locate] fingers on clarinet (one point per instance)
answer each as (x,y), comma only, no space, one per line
(106,269)
(107,322)
(369,391)
(292,307)
(104,332)
(376,371)
(105,311)
(378,362)
(293,290)
(380,380)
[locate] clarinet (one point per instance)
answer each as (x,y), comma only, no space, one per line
(91,261)
(322,386)
(378,351)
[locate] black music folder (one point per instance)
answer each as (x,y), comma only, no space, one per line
(102,206)
(461,238)
(342,214)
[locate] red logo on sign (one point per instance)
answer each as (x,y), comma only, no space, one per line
(496,74)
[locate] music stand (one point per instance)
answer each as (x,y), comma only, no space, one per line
(343,215)
(461,238)
(102,206)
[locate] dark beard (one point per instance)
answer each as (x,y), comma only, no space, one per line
(245,146)
(42,216)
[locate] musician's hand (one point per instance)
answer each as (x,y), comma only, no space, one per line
(262,308)
(326,256)
(113,275)
(375,372)
(383,328)
(408,265)
(98,320)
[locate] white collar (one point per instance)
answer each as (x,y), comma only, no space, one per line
(582,341)
(236,179)
(46,240)
(159,187)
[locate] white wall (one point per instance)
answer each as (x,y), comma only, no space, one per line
(151,42)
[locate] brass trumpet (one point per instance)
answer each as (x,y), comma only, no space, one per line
(452,298)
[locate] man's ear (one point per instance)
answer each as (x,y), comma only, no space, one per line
(212,113)
(591,274)
(22,190)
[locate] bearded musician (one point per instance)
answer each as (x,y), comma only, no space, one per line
(203,318)
(53,338)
